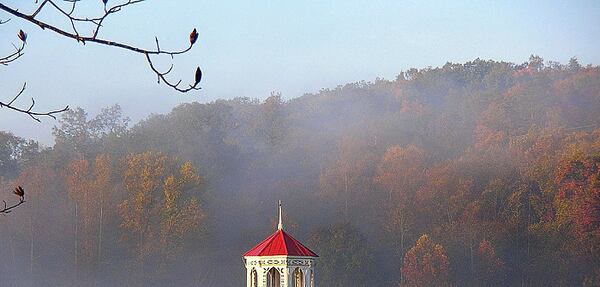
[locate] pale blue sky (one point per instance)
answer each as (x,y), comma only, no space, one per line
(249,48)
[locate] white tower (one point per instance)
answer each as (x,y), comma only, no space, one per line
(280,261)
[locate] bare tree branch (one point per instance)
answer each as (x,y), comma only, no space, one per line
(29,111)
(97,22)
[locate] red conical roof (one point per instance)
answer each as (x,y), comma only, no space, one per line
(280,243)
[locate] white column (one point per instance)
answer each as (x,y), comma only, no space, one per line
(248,276)
(284,280)
(262,277)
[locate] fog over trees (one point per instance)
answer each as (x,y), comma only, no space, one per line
(486,172)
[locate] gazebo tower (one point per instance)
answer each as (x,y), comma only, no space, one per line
(280,261)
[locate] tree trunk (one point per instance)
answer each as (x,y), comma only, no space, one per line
(448,207)
(31,252)
(527,234)
(141,255)
(99,256)
(471,266)
(76,246)
(12,249)
(401,245)
(346,193)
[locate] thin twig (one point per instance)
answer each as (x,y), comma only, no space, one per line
(14,56)
(161,76)
(29,111)
(8,209)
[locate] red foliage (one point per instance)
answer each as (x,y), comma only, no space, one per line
(579,186)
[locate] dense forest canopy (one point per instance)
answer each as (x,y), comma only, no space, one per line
(486,172)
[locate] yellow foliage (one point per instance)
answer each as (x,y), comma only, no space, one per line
(161,207)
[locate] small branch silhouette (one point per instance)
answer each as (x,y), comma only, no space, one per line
(29,111)
(5,60)
(21,194)
(8,209)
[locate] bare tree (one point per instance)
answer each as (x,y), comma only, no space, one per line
(68,9)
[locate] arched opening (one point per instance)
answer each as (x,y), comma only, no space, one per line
(273,278)
(253,278)
(298,278)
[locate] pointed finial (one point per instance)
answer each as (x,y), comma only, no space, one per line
(280,225)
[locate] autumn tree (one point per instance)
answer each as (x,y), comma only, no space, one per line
(90,187)
(579,187)
(350,173)
(103,185)
(578,204)
(426,264)
(161,209)
(443,194)
(80,191)
(400,173)
(489,268)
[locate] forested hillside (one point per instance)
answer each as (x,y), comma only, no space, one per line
(476,174)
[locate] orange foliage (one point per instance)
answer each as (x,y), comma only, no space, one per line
(426,264)
(578,183)
(401,171)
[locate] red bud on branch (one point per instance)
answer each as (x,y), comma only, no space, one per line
(193,37)
(23,36)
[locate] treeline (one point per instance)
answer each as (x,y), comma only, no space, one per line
(477,174)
